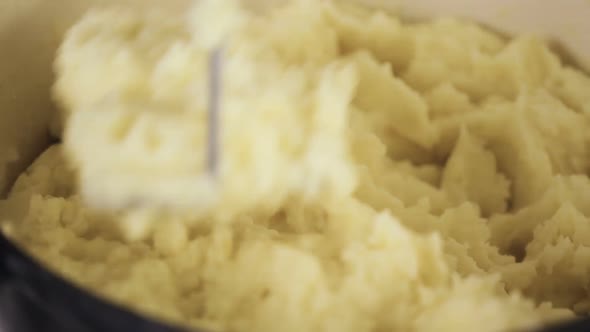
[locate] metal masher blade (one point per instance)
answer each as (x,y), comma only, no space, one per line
(213,110)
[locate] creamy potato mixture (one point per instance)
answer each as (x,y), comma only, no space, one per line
(376,175)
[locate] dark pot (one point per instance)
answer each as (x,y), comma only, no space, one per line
(32,299)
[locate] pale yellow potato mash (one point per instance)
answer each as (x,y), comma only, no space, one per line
(138,89)
(377,175)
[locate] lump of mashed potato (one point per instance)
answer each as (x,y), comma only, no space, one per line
(284,116)
(413,176)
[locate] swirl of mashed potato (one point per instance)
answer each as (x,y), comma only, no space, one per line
(376,175)
(284,117)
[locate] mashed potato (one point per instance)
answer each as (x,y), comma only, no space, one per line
(395,176)
(284,116)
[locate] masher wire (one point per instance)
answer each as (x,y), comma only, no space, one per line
(213,109)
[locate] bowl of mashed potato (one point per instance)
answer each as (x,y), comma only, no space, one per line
(379,172)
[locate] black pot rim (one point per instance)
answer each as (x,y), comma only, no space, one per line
(32,297)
